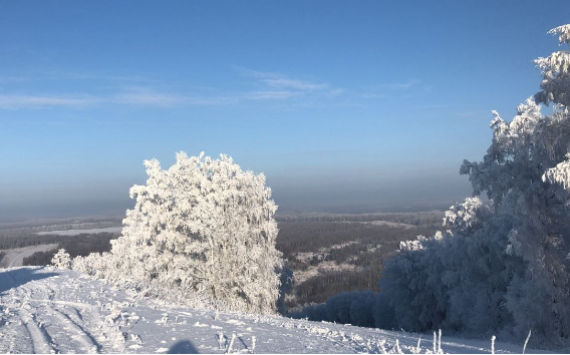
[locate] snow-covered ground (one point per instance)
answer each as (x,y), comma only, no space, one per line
(44,310)
(71,232)
(15,257)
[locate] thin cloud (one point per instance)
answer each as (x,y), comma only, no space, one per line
(403,90)
(294,84)
(275,82)
(269,87)
(270,95)
(14,102)
(135,99)
(374,96)
(398,86)
(98,77)
(258,74)
(335,92)
(148,99)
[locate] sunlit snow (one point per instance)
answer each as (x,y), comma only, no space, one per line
(46,310)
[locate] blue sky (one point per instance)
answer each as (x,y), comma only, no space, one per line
(344,105)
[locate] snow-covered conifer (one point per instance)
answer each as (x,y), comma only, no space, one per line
(504,267)
(525,172)
(204,228)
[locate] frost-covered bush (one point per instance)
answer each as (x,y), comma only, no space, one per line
(91,264)
(504,267)
(61,260)
(383,312)
(203,229)
(456,281)
(360,308)
(286,285)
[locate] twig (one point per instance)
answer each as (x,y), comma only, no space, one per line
(398,349)
(418,346)
(220,340)
(229,350)
(526,341)
(253,344)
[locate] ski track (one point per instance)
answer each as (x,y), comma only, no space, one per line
(43,310)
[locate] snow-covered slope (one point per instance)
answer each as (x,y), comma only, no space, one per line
(53,311)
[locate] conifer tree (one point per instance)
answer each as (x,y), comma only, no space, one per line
(504,266)
(203,228)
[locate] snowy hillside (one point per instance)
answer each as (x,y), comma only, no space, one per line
(53,311)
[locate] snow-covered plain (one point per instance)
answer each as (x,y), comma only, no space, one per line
(15,257)
(46,310)
(72,232)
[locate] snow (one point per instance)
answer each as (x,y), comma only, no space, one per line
(46,310)
(72,232)
(15,257)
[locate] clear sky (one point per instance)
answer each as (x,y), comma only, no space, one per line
(344,105)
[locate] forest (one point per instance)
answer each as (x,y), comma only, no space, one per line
(333,254)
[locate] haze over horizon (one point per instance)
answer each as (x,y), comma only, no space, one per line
(345,106)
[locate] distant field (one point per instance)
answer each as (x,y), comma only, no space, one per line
(15,257)
(72,232)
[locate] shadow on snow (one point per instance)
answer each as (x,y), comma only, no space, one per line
(183,347)
(14,278)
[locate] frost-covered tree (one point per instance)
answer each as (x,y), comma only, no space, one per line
(505,266)
(525,171)
(61,259)
(203,228)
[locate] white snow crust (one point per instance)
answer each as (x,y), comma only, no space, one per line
(47,310)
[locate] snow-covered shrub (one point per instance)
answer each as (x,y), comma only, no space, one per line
(408,283)
(383,312)
(362,309)
(338,307)
(286,285)
(61,260)
(456,281)
(357,308)
(314,312)
(90,264)
(203,229)
(504,267)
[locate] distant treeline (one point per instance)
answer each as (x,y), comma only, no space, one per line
(29,239)
(432,218)
(19,228)
(80,245)
(360,242)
